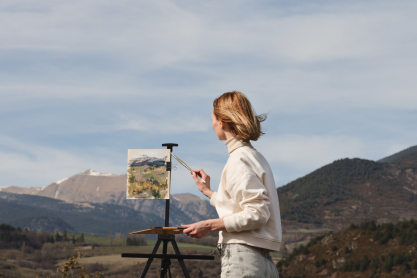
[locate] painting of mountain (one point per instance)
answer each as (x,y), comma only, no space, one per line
(147,175)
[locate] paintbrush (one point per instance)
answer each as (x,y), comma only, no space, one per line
(186,166)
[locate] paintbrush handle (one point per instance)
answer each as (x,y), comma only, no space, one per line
(186,166)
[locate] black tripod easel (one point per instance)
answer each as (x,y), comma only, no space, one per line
(164,237)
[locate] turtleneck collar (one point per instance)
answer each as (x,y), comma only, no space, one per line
(234,143)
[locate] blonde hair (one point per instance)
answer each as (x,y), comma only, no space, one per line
(235,109)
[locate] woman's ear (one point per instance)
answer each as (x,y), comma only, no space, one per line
(224,126)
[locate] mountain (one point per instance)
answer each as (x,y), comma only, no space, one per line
(335,195)
(99,188)
(350,191)
(88,186)
(400,156)
(39,213)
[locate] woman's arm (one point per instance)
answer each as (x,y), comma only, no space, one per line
(202,228)
(250,195)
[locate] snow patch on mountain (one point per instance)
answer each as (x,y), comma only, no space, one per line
(5,187)
(60,181)
(97,174)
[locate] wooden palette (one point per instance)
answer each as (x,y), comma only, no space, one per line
(160,231)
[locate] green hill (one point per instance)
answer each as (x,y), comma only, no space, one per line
(400,156)
(323,187)
(350,191)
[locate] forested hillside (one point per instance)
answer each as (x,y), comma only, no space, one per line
(352,190)
(365,250)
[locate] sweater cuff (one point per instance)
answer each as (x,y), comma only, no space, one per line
(213,199)
(229,222)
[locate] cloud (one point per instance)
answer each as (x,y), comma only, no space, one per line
(162,124)
(307,153)
(25,164)
(104,74)
(34,165)
(352,54)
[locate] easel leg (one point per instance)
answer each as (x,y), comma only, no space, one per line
(165,268)
(148,264)
(181,261)
(165,262)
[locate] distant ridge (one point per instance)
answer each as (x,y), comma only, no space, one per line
(393,157)
(333,196)
(39,213)
(93,187)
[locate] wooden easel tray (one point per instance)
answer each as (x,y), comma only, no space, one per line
(160,231)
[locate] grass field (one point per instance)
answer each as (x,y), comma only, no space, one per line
(101,240)
(110,256)
(107,258)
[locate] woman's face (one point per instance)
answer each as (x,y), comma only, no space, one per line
(218,127)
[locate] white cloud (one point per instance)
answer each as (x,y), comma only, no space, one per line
(25,164)
(353,54)
(159,124)
(286,58)
(307,153)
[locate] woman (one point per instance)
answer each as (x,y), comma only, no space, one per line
(247,200)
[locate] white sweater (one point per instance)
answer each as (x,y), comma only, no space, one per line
(247,199)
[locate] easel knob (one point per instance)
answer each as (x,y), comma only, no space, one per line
(169,145)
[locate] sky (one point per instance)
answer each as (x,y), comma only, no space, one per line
(81,82)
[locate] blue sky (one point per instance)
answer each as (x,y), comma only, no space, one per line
(83,81)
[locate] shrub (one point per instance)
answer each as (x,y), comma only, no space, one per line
(364,263)
(374,265)
(353,226)
(303,250)
(387,266)
(399,259)
(72,265)
(405,268)
(136,241)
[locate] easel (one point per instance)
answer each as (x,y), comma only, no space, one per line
(166,234)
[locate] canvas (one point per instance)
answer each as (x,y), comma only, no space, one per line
(147,176)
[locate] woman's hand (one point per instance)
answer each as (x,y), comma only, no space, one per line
(197,230)
(203,187)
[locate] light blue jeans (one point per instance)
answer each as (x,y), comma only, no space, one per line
(240,260)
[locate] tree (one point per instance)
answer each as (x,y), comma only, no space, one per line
(58,237)
(64,236)
(364,263)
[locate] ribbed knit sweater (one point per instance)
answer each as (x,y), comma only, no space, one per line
(247,199)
